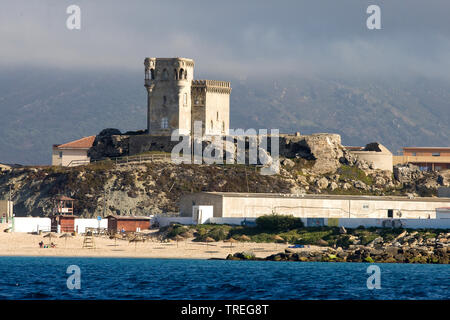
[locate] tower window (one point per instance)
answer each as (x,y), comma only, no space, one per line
(181,74)
(164,123)
(390,213)
(152,74)
(212,125)
(223,126)
(217,115)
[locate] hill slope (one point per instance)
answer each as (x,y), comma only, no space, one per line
(39,108)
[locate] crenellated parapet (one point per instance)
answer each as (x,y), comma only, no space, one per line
(212,86)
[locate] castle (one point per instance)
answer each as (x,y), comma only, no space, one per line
(175,100)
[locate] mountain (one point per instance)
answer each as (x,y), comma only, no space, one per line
(40,107)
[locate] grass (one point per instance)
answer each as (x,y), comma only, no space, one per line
(353,173)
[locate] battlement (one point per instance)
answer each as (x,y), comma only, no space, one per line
(212,86)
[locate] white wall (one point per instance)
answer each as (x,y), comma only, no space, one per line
(405,223)
(21,224)
(82,224)
(165,221)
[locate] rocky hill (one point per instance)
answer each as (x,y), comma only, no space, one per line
(309,165)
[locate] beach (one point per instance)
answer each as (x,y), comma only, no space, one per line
(24,244)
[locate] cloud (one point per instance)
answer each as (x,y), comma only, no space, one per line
(233,38)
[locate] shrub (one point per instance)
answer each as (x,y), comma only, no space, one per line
(278,223)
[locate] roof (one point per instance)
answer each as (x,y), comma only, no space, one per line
(83,143)
(324,196)
(129,217)
(426,148)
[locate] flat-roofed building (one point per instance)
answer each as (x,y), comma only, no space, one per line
(426,158)
(72,153)
(253,205)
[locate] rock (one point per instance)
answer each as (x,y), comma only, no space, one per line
(288,251)
(407,173)
(342,230)
(287,163)
(325,149)
(322,242)
(322,183)
(444,178)
(333,186)
(360,185)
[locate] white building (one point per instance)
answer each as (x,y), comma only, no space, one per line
(72,153)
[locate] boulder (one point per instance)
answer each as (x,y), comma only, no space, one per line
(322,183)
(407,173)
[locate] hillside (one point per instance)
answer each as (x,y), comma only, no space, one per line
(43,107)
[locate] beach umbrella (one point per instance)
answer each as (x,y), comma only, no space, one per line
(231,241)
(178,238)
(208,240)
(244,238)
(115,236)
(50,235)
(65,236)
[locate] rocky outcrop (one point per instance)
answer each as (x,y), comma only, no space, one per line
(407,173)
(406,248)
(109,143)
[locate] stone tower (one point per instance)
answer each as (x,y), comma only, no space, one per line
(168,83)
(175,100)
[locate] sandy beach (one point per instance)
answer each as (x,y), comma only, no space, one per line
(23,244)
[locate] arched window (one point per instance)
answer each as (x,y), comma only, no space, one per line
(212,125)
(181,74)
(217,116)
(152,74)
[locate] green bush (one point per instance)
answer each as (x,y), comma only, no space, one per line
(278,223)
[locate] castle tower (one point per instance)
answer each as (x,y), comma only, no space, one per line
(211,106)
(168,83)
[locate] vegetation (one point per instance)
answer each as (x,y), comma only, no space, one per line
(278,223)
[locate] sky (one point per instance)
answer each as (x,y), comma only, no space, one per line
(232,38)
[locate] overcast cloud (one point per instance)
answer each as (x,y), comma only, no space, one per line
(234,38)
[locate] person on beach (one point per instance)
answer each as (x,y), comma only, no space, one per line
(41,244)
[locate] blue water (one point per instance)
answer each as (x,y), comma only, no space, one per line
(110,278)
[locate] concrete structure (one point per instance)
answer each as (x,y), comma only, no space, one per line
(443,213)
(30,225)
(376,154)
(426,158)
(175,100)
(73,153)
(128,223)
(444,192)
(253,205)
(6,210)
(63,223)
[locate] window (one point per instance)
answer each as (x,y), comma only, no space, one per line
(223,126)
(414,154)
(164,100)
(390,213)
(212,125)
(436,154)
(152,72)
(185,99)
(164,123)
(181,74)
(217,116)
(365,206)
(60,154)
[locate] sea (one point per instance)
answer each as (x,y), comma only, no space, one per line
(52,278)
